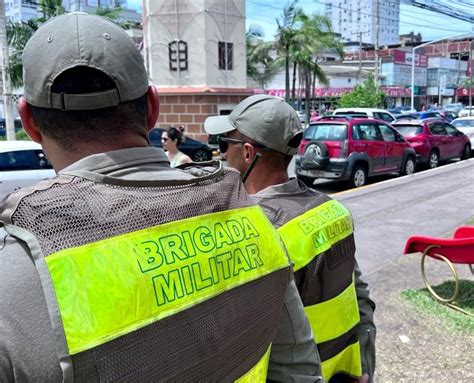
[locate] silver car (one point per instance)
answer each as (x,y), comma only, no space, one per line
(465,125)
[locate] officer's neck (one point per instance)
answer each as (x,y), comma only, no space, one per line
(263,176)
(61,157)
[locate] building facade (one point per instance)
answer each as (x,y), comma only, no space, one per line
(351,18)
(196,55)
(20,10)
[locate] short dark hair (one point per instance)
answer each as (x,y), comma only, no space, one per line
(99,125)
(175,134)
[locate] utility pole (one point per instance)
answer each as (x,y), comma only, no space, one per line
(359,73)
(7,88)
(471,69)
(377,32)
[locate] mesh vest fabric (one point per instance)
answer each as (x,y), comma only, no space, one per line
(221,338)
(324,277)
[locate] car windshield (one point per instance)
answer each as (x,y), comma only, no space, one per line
(408,130)
(326,132)
(463,123)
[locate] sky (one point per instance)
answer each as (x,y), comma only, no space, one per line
(431,25)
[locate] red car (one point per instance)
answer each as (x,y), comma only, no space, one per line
(434,140)
(352,149)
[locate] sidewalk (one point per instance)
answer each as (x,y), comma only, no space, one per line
(435,352)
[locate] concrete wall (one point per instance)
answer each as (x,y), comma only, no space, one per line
(201,24)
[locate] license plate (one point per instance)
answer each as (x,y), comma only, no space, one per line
(311,173)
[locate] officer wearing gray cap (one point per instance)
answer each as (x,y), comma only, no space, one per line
(121,268)
(259,138)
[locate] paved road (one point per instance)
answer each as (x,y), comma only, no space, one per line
(426,203)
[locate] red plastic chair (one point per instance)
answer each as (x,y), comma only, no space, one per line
(458,249)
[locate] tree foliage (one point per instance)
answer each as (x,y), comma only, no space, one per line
(18,33)
(301,40)
(262,66)
(366,95)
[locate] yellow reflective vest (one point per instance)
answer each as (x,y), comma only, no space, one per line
(143,283)
(321,246)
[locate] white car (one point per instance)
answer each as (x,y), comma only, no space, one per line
(22,163)
(380,114)
(465,125)
(464,112)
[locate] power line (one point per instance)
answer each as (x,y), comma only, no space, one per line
(390,19)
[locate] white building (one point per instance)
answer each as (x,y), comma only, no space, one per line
(20,10)
(351,17)
(196,55)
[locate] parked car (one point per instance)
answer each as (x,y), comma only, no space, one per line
(466,112)
(419,115)
(197,150)
(22,163)
(465,125)
(16,124)
(400,110)
(447,115)
(352,149)
(434,140)
(454,107)
(302,116)
(380,114)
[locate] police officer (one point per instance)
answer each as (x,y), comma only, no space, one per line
(263,133)
(121,268)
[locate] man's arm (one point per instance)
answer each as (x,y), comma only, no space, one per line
(367,330)
(294,356)
(27,348)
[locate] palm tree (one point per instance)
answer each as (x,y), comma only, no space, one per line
(261,65)
(315,37)
(287,31)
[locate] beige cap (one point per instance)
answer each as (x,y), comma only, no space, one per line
(78,39)
(268,120)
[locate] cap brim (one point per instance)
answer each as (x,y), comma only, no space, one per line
(218,125)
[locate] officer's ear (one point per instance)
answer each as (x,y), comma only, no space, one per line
(249,152)
(28,122)
(153,107)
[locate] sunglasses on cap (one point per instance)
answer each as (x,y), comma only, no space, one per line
(225,141)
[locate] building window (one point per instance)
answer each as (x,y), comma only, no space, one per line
(225,55)
(178,55)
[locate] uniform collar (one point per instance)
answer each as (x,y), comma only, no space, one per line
(118,159)
(289,187)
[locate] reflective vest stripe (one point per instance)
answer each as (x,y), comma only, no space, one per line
(324,226)
(306,237)
(347,361)
(258,373)
(114,286)
(335,316)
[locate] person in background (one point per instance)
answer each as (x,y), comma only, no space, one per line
(170,139)
(263,133)
(122,268)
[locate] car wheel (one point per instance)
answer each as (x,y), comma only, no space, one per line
(358,176)
(466,153)
(433,160)
(201,155)
(308,181)
(408,167)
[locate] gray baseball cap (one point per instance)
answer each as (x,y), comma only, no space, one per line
(268,120)
(78,39)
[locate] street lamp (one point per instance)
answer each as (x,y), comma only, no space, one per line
(413,61)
